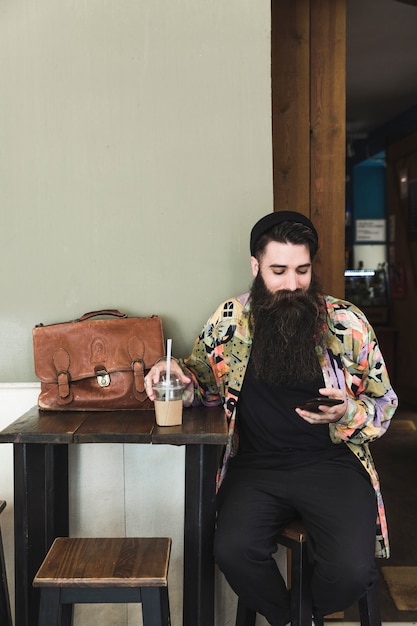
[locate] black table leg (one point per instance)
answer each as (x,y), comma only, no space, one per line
(200,515)
(41,514)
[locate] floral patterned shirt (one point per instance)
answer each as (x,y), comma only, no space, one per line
(351,360)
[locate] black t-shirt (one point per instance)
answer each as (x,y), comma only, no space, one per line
(272,434)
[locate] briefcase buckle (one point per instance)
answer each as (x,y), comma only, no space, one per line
(103,378)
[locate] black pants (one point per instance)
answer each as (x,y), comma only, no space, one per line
(337,503)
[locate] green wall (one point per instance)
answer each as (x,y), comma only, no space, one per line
(135,155)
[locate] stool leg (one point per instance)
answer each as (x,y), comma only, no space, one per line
(155,606)
(5,613)
(300,595)
(49,607)
(369,612)
(244,615)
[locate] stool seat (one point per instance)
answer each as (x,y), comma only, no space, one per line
(87,570)
(295,531)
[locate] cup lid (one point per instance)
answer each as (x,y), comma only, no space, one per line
(174,383)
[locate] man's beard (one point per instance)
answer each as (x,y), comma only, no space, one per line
(287,326)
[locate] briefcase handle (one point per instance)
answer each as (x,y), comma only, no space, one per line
(91,314)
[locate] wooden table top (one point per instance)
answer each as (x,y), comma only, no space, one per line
(201,425)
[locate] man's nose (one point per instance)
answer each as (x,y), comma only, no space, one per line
(291,282)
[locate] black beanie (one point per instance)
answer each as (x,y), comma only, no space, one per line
(272,219)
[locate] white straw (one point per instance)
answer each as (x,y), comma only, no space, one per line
(168,371)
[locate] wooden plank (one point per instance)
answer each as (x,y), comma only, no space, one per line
(308,70)
(37,426)
(328,128)
(200,425)
(290,74)
(116,427)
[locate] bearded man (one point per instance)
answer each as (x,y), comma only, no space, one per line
(263,355)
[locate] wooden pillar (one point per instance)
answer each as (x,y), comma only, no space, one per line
(308,51)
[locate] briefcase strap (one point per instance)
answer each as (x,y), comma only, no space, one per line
(61,360)
(136,349)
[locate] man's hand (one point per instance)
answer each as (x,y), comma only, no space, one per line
(326,414)
(159,368)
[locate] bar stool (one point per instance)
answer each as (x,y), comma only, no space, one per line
(5,613)
(294,538)
(108,570)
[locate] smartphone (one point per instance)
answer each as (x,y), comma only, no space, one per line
(313,403)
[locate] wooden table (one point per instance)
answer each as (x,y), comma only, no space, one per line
(40,443)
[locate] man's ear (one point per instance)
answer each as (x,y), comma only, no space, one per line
(255,266)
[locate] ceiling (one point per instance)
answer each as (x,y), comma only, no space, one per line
(381,65)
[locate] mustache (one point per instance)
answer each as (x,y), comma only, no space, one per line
(285,297)
(289,303)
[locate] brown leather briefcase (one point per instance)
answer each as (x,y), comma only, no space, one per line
(96,364)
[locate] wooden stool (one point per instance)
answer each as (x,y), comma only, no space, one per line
(294,538)
(123,570)
(5,614)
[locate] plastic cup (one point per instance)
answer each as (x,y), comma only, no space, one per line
(168,401)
